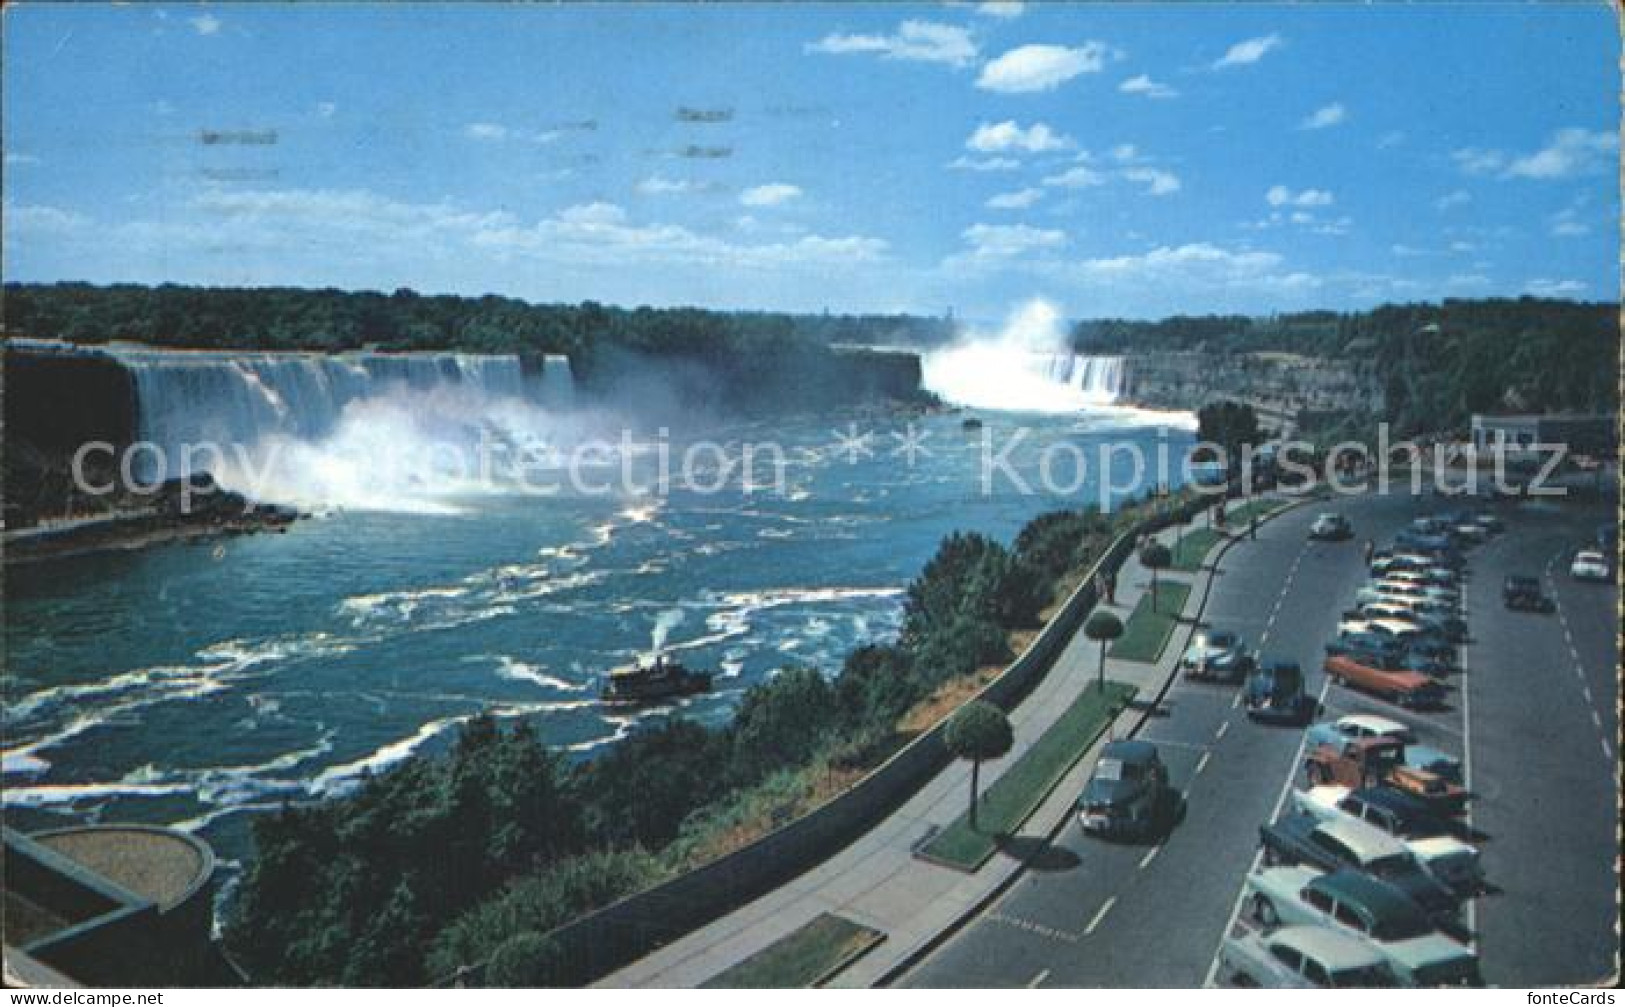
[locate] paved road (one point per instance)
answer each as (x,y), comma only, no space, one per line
(1124,915)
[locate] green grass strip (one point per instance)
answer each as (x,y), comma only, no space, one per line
(1193,547)
(1024,785)
(802,958)
(1237,519)
(1147,632)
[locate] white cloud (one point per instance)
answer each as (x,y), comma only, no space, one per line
(1280,195)
(1554,288)
(1157,181)
(1476,161)
(206,24)
(1018,200)
(920,41)
(1324,117)
(1031,68)
(1009,240)
(1248,51)
(42,220)
(1143,84)
(984,164)
(656,185)
(485,131)
(1077,178)
(1393,138)
(771,194)
(1200,265)
(1569,229)
(17,160)
(1567,153)
(1008,135)
(1125,152)
(598,214)
(1003,9)
(325,109)
(1451,200)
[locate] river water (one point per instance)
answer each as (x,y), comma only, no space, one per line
(190,684)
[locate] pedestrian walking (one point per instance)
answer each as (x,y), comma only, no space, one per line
(1370,551)
(1252,526)
(1111,588)
(1100,586)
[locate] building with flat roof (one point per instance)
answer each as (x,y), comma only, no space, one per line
(1583,434)
(110,905)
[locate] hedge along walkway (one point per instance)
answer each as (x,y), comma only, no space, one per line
(805,958)
(1146,632)
(1016,794)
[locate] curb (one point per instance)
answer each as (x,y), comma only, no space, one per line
(923,950)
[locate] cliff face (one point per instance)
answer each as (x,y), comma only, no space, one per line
(1287,390)
(54,401)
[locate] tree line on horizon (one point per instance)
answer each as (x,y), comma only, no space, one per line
(1437,364)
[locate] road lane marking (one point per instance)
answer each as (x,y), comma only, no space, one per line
(1038,980)
(1193,746)
(1145,861)
(1201,763)
(1234,703)
(1225,726)
(1105,908)
(1042,930)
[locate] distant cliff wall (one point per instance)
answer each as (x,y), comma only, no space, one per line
(1285,389)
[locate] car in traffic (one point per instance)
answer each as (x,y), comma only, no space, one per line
(1366,908)
(1128,795)
(1407,819)
(1333,844)
(1303,957)
(1589,565)
(1410,689)
(1522,593)
(1217,654)
(1330,527)
(1275,694)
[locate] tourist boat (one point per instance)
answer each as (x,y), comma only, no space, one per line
(664,678)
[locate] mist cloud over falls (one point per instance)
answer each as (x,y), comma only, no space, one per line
(1026,366)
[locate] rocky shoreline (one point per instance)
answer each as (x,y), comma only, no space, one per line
(171,512)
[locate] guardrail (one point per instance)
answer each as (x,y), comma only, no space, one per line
(623,931)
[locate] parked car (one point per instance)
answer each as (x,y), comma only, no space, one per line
(1218,654)
(1589,565)
(1334,844)
(1275,694)
(1331,527)
(1303,957)
(1366,645)
(1410,689)
(1354,726)
(1128,794)
(1402,816)
(1369,762)
(1433,545)
(1367,908)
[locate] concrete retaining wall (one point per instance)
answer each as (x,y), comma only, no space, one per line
(624,931)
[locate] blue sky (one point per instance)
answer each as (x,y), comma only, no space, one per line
(1131,160)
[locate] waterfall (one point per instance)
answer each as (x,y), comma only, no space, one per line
(339,408)
(558,390)
(1098,379)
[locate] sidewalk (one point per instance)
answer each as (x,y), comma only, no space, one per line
(876,881)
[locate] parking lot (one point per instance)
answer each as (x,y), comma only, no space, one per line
(1530,716)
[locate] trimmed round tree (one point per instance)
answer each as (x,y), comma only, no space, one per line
(978,731)
(1155,556)
(1103,627)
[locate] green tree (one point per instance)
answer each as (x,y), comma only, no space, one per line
(524,961)
(1154,556)
(1103,627)
(978,731)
